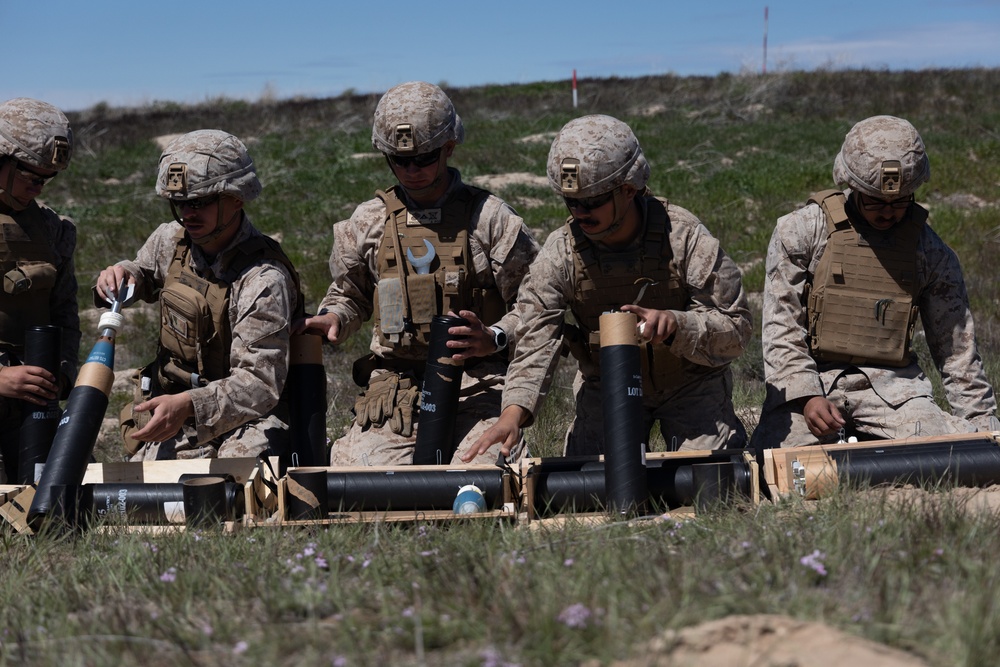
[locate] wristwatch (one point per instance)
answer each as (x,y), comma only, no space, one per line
(499,338)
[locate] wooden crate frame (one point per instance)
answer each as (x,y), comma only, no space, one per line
(529,480)
(276,514)
(811,468)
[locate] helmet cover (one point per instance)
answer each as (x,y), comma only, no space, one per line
(204,163)
(594,155)
(35,133)
(883,157)
(414,118)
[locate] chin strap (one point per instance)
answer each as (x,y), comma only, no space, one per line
(417,194)
(621,208)
(220,227)
(5,196)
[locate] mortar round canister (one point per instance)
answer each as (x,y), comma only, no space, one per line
(470,500)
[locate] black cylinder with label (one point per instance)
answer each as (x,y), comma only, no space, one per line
(621,397)
(439,395)
(38,422)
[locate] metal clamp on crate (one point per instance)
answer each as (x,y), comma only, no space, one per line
(799,477)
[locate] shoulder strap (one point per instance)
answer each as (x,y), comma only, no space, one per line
(833,203)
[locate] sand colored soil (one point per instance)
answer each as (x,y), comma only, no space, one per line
(765,641)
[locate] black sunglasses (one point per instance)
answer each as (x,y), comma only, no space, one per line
(873,204)
(196,204)
(31,176)
(589,203)
(421,161)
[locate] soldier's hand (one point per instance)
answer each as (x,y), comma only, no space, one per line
(28,383)
(655,326)
(506,431)
(477,338)
(169,412)
(326,325)
(822,417)
(109,280)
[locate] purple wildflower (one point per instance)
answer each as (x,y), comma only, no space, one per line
(814,561)
(575,616)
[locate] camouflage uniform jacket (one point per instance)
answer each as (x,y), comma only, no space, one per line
(260,310)
(796,246)
(63,309)
(712,331)
(501,246)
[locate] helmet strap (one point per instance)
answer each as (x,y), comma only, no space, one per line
(439,178)
(7,188)
(221,225)
(621,204)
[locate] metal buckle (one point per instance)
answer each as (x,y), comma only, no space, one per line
(569,176)
(891,178)
(799,477)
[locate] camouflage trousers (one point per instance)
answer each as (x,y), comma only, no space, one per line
(698,416)
(248,440)
(478,409)
(866,413)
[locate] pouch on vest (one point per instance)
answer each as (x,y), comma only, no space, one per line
(130,421)
(391,308)
(880,336)
(183,309)
(423,298)
(29,275)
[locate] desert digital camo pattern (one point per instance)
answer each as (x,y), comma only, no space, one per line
(607,152)
(869,145)
(231,414)
(880,401)
(502,248)
(711,332)
(60,299)
(36,133)
(501,245)
(415,118)
(478,409)
(215,163)
(60,233)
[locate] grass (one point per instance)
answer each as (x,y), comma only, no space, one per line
(915,575)
(738,151)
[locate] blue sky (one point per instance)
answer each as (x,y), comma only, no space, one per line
(75,54)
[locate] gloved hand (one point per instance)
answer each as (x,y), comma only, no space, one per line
(406,403)
(375,404)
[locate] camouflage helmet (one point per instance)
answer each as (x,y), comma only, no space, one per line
(35,133)
(206,162)
(415,118)
(883,157)
(594,155)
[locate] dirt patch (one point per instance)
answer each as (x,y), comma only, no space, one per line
(543,138)
(765,641)
(499,181)
(968,499)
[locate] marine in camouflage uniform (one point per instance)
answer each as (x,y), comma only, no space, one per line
(482,250)
(693,314)
(222,362)
(36,263)
(837,333)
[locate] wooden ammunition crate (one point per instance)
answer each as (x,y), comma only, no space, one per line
(16,500)
(270,507)
(531,467)
(810,472)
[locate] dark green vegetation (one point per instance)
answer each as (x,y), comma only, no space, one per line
(738,151)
